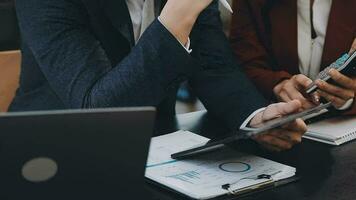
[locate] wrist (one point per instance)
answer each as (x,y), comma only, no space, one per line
(178,21)
(256,120)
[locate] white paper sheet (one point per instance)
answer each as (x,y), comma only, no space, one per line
(202,177)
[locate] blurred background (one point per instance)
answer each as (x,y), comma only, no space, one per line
(10,59)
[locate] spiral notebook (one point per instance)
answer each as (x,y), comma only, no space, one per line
(334,131)
(217,173)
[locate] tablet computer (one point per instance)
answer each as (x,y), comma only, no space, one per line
(247,133)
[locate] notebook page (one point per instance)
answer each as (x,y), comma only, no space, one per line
(334,129)
(202,177)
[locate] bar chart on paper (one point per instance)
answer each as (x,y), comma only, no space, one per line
(187,177)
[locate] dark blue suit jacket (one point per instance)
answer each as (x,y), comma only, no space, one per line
(81,54)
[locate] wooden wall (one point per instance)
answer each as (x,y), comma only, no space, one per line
(9,77)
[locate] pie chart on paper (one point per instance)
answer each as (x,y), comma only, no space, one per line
(235,167)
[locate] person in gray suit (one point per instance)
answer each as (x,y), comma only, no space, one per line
(115,53)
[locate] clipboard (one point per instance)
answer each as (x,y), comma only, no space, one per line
(163,192)
(218,175)
(249,132)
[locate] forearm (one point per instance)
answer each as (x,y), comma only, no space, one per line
(266,79)
(79,70)
(223,88)
(179,28)
(156,65)
(228,95)
(179,17)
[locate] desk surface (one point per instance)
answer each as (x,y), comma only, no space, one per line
(326,172)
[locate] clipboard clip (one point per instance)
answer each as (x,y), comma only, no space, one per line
(268,182)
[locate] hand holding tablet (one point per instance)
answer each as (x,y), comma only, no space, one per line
(247,133)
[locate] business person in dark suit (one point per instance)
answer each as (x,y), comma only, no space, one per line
(111,53)
(283,45)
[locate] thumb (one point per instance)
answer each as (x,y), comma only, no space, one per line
(303,81)
(280,109)
(353,47)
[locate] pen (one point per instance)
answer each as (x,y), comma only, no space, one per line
(226,5)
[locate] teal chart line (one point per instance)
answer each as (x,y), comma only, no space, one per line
(235,167)
(162,163)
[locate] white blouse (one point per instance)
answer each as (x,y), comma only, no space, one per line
(310,50)
(142,15)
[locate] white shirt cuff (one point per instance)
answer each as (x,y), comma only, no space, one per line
(186,46)
(249,118)
(244,125)
(347,105)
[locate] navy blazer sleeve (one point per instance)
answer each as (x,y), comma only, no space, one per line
(222,86)
(79,71)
